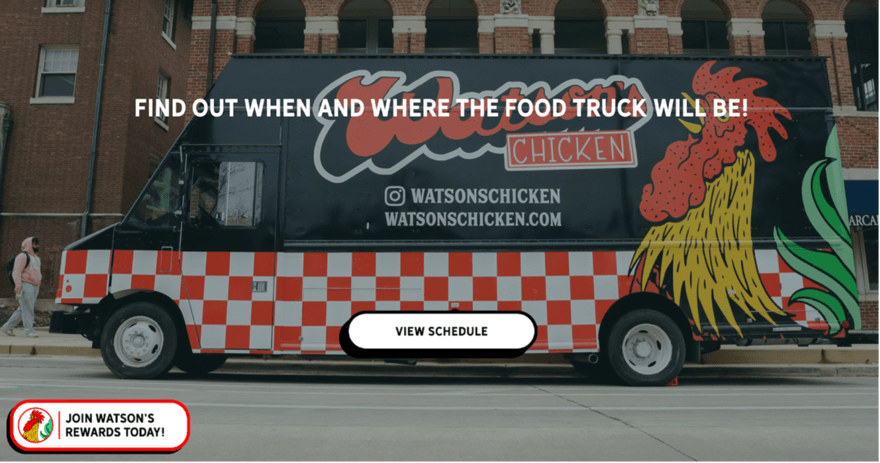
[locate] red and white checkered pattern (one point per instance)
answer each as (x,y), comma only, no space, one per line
(781,282)
(311,295)
(83,277)
(567,293)
(228,315)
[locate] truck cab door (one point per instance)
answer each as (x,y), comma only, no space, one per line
(228,245)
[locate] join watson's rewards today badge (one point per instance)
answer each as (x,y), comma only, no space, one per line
(99,426)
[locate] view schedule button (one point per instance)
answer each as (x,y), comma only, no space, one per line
(438,334)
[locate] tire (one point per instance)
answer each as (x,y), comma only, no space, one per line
(139,341)
(199,364)
(645,348)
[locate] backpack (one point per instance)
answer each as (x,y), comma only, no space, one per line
(10,265)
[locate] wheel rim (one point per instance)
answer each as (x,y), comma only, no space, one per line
(138,341)
(647,349)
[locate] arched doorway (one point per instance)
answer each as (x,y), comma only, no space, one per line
(785,30)
(280,27)
(451,27)
(579,29)
(704,29)
(365,28)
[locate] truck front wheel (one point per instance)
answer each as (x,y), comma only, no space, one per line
(199,364)
(646,348)
(139,341)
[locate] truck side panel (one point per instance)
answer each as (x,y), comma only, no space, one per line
(567,293)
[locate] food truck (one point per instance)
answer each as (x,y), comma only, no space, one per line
(607,198)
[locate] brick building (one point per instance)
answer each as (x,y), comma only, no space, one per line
(51,53)
(204,32)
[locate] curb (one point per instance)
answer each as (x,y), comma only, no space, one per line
(770,371)
(78,351)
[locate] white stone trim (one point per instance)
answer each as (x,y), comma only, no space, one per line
(161,123)
(852,111)
(673,27)
(168,39)
(204,23)
(328,25)
(745,27)
(63,9)
(409,24)
(859,174)
(511,20)
(545,24)
(614,42)
(827,29)
(245,27)
(52,100)
(548,44)
(615,27)
(486,24)
(618,24)
(650,22)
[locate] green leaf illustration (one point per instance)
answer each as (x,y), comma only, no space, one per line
(835,270)
(47,430)
(824,268)
(829,306)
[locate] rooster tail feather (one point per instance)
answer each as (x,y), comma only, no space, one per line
(707,260)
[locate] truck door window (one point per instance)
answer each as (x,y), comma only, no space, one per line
(160,200)
(226,194)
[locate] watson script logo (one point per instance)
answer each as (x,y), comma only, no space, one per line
(384,144)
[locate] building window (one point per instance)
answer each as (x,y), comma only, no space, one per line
(64,6)
(56,78)
(451,36)
(168,20)
(285,35)
(786,38)
(861,41)
(370,36)
(451,27)
(704,37)
(579,37)
(162,95)
(870,241)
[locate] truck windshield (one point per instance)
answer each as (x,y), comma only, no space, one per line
(161,198)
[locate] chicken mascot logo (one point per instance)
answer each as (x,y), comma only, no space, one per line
(701,199)
(35,425)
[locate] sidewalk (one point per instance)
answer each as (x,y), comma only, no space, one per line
(814,360)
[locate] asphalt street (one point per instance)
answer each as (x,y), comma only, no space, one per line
(263,411)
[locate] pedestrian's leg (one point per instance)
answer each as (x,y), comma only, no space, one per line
(28,298)
(13,320)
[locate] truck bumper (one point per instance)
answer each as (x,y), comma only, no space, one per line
(69,322)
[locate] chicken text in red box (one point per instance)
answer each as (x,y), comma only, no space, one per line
(570,150)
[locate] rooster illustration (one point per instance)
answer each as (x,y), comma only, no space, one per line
(699,253)
(32,427)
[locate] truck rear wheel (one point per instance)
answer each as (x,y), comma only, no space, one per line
(139,341)
(199,364)
(646,348)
